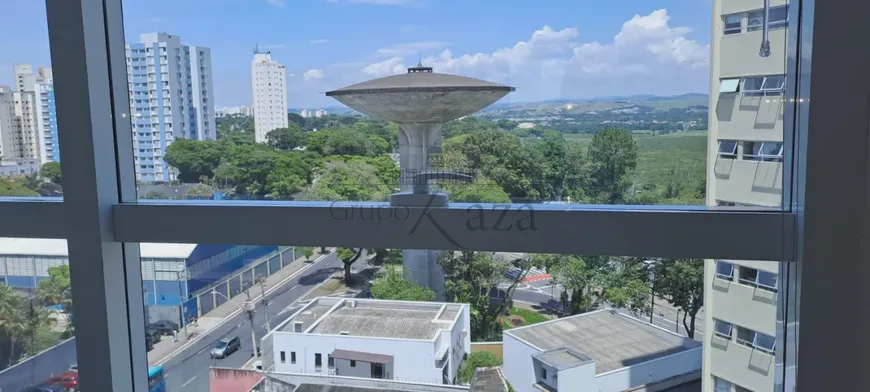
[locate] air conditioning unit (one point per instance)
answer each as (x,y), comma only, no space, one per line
(351,304)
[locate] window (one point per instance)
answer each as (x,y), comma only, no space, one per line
(767,280)
(544,373)
(724,270)
(763,85)
(722,328)
(777,18)
(352,363)
(728,149)
(720,385)
(745,336)
(733,23)
(283,357)
(729,85)
(318,361)
(762,151)
(748,275)
(764,342)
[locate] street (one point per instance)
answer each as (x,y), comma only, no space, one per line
(188,368)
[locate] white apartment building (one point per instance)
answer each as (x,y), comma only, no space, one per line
(269,82)
(745,168)
(8,132)
(600,351)
(221,111)
(171,97)
(320,113)
(305,113)
(411,341)
(27,119)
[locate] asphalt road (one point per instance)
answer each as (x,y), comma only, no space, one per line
(188,369)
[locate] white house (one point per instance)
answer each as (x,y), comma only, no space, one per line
(601,351)
(396,340)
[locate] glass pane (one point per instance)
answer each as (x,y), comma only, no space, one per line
(559,105)
(29,147)
(37,336)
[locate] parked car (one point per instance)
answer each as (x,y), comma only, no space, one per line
(68,380)
(44,388)
(224,347)
(165,327)
(149,342)
(155,334)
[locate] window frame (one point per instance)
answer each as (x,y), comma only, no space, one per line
(732,30)
(727,155)
(719,275)
(717,323)
(86,34)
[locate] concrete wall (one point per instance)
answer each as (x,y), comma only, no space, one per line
(649,372)
(519,368)
(571,379)
(362,369)
(748,367)
(413,360)
(232,380)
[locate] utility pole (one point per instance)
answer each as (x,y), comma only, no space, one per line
(249,307)
(262,281)
(180,275)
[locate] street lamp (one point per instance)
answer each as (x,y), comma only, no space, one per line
(249,307)
(650,267)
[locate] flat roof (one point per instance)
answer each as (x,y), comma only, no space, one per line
(330,383)
(57,247)
(374,318)
(612,340)
(489,379)
(562,358)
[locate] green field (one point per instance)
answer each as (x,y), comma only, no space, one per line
(687,151)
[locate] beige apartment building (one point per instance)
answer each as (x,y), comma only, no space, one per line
(744,168)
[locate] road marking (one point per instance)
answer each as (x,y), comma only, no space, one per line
(188,382)
(226,319)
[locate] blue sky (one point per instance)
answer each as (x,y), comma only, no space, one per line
(548,49)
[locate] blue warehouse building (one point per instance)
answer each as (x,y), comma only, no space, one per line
(170,272)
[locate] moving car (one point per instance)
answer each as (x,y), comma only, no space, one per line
(165,327)
(226,346)
(68,380)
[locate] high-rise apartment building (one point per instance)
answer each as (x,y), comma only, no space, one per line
(8,131)
(745,168)
(269,81)
(30,110)
(171,97)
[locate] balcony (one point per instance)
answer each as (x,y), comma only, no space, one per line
(738,53)
(745,116)
(742,304)
(748,182)
(733,361)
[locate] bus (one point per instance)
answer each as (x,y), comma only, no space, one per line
(155,379)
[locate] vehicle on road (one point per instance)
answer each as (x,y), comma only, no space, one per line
(155,334)
(165,327)
(226,346)
(44,388)
(156,383)
(68,380)
(149,342)
(74,367)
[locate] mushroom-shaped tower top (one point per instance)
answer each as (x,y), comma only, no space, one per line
(420,96)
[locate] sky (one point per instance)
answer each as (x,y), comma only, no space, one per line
(547,49)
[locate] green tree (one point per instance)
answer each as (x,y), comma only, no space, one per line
(480,191)
(348,256)
(51,172)
(200,191)
(286,138)
(9,187)
(471,277)
(296,119)
(613,156)
(391,285)
(155,195)
(354,180)
(378,145)
(475,360)
(346,141)
(681,282)
(13,322)
(56,290)
(193,158)
(306,251)
(234,124)
(562,163)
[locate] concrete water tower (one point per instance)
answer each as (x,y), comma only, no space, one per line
(420,102)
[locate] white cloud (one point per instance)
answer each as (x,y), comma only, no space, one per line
(313,74)
(318,41)
(646,56)
(275,3)
(412,48)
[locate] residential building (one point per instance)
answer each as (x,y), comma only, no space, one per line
(269,81)
(745,168)
(305,113)
(222,111)
(600,351)
(235,380)
(26,116)
(411,341)
(19,167)
(46,123)
(9,147)
(171,97)
(320,113)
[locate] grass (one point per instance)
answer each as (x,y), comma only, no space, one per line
(657,155)
(521,317)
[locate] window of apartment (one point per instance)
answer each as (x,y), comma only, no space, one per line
(728,149)
(544,373)
(764,342)
(729,85)
(724,270)
(722,328)
(283,357)
(777,18)
(767,280)
(733,23)
(720,385)
(762,151)
(318,361)
(352,363)
(747,275)
(745,336)
(763,85)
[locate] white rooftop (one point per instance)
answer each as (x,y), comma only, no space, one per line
(57,247)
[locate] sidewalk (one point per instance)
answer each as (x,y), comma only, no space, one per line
(216,316)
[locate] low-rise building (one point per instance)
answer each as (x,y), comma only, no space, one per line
(601,351)
(396,340)
(19,167)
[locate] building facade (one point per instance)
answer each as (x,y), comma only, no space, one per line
(410,341)
(27,116)
(46,123)
(8,132)
(745,168)
(320,113)
(222,111)
(269,82)
(171,97)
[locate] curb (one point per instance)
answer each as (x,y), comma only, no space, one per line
(226,319)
